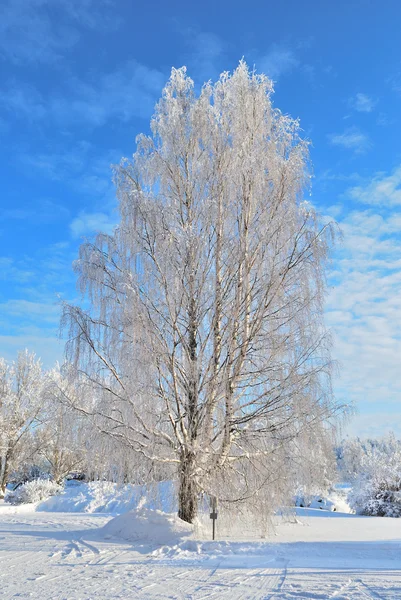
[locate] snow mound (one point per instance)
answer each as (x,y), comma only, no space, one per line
(148,526)
(334,501)
(108,497)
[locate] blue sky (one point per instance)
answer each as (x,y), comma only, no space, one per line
(79,79)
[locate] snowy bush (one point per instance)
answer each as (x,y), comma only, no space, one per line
(377,498)
(33,491)
(27,472)
(105,496)
(377,484)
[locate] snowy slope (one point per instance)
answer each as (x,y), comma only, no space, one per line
(107,497)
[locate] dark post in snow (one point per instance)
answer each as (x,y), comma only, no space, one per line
(213,514)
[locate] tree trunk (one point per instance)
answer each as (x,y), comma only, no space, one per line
(188,493)
(4,468)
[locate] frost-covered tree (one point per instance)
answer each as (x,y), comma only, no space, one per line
(61,439)
(315,462)
(374,468)
(21,386)
(201,339)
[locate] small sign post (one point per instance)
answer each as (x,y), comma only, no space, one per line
(213,514)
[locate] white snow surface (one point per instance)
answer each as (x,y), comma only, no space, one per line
(108,497)
(334,500)
(148,526)
(320,555)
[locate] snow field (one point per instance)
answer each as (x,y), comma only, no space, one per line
(322,555)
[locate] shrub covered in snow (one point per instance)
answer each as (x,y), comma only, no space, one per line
(27,472)
(105,496)
(33,491)
(378,498)
(377,483)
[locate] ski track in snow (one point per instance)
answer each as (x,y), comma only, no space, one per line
(60,556)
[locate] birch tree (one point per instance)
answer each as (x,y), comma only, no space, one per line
(201,337)
(61,439)
(20,411)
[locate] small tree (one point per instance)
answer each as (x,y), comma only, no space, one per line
(20,411)
(204,343)
(373,466)
(61,439)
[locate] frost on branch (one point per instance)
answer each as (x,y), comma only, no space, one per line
(21,384)
(374,468)
(202,346)
(34,491)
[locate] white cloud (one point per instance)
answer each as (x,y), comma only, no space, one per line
(86,224)
(50,313)
(279,61)
(129,91)
(206,50)
(383,189)
(364,308)
(30,318)
(46,347)
(383,120)
(80,168)
(42,211)
(40,276)
(10,270)
(351,139)
(362,103)
(33,325)
(373,425)
(57,165)
(23,101)
(40,31)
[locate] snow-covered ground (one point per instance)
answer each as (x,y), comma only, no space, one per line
(108,497)
(46,555)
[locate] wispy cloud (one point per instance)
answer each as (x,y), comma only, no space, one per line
(47,346)
(382,189)
(364,307)
(383,120)
(351,139)
(30,315)
(38,277)
(362,103)
(58,164)
(42,211)
(394,80)
(86,224)
(278,61)
(49,313)
(23,101)
(206,50)
(82,170)
(373,425)
(79,166)
(12,270)
(129,91)
(40,31)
